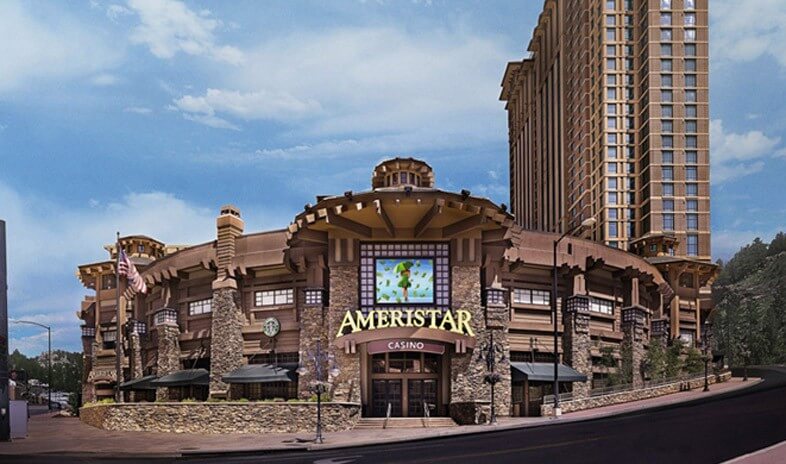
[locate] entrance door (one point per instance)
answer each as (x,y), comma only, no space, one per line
(421,393)
(384,393)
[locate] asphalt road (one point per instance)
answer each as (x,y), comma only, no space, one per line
(709,430)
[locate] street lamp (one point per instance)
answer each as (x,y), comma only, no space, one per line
(705,345)
(585,224)
(320,384)
(49,330)
(489,353)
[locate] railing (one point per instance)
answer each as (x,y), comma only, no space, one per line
(387,417)
(426,414)
(603,391)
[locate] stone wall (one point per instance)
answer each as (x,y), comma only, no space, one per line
(630,395)
(220,417)
(470,396)
(343,298)
(226,341)
(576,341)
(168,359)
(312,329)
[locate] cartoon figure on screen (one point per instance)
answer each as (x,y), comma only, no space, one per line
(403,270)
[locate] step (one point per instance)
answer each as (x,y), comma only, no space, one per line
(404,422)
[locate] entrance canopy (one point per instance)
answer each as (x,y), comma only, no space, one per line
(259,373)
(142,383)
(183,378)
(544,372)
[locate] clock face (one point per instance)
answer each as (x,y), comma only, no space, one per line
(271,327)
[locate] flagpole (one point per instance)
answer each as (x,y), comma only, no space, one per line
(118,331)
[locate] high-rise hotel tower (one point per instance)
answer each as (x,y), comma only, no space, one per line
(608,118)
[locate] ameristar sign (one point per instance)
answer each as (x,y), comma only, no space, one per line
(356,321)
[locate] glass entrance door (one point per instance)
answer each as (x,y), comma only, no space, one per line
(420,394)
(384,393)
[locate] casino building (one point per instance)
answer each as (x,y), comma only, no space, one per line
(394,298)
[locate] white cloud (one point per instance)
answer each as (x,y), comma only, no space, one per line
(248,106)
(114,12)
(104,80)
(729,241)
(363,82)
(137,110)
(35,48)
(169,27)
(736,155)
(745,31)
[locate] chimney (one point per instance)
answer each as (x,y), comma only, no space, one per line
(229,226)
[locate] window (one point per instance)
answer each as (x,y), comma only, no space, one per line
(611,50)
(668,221)
(611,79)
(611,139)
(666,80)
(691,157)
(611,64)
(691,189)
(611,5)
(668,189)
(601,306)
(667,141)
(690,35)
(666,50)
(628,33)
(693,245)
(690,49)
(611,151)
(667,157)
(690,19)
(668,173)
(666,111)
(666,65)
(613,232)
(612,198)
(196,308)
(690,80)
(611,93)
(611,20)
(691,111)
(530,296)
(667,96)
(690,4)
(692,205)
(612,181)
(691,141)
(140,248)
(665,34)
(108,281)
(668,205)
(690,65)
(667,125)
(613,213)
(691,126)
(610,35)
(612,168)
(611,109)
(691,96)
(665,19)
(691,173)
(274,297)
(665,4)
(693,221)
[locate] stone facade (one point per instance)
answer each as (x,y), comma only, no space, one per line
(312,329)
(220,417)
(470,396)
(343,298)
(631,395)
(135,367)
(168,359)
(576,341)
(633,352)
(226,343)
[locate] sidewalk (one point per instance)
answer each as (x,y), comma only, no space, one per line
(769,455)
(69,436)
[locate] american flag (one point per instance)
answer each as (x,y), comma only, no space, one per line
(127,269)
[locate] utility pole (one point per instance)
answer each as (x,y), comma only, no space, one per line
(5,424)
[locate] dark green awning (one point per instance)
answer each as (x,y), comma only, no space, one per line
(544,372)
(183,378)
(259,373)
(142,383)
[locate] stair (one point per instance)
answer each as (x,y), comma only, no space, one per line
(403,422)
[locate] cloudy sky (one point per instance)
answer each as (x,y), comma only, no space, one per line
(145,116)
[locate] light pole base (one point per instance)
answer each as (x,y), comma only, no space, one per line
(557,412)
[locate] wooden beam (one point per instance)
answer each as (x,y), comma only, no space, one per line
(315,236)
(349,225)
(385,219)
(464,225)
(433,212)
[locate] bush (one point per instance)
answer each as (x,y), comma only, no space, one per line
(673,361)
(188,400)
(324,397)
(693,361)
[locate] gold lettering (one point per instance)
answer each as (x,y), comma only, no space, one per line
(395,319)
(365,322)
(433,314)
(382,319)
(464,317)
(347,322)
(447,318)
(419,318)
(409,318)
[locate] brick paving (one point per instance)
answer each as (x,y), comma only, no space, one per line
(68,436)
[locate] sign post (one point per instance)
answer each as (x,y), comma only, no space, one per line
(5,423)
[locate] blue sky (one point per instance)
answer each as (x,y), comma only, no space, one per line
(146,116)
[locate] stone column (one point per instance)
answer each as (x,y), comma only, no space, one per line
(312,329)
(634,320)
(168,359)
(576,343)
(135,360)
(343,298)
(88,387)
(226,340)
(498,322)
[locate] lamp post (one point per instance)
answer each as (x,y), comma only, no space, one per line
(587,223)
(489,353)
(49,330)
(319,385)
(705,348)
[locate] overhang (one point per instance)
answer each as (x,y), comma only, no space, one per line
(544,372)
(142,383)
(259,373)
(183,378)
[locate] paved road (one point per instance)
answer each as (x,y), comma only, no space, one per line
(704,431)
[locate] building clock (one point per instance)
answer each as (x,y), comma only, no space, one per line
(271,327)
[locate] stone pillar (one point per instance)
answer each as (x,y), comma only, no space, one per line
(498,322)
(135,360)
(226,341)
(576,341)
(88,387)
(633,337)
(313,319)
(470,396)
(659,331)
(168,359)
(343,298)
